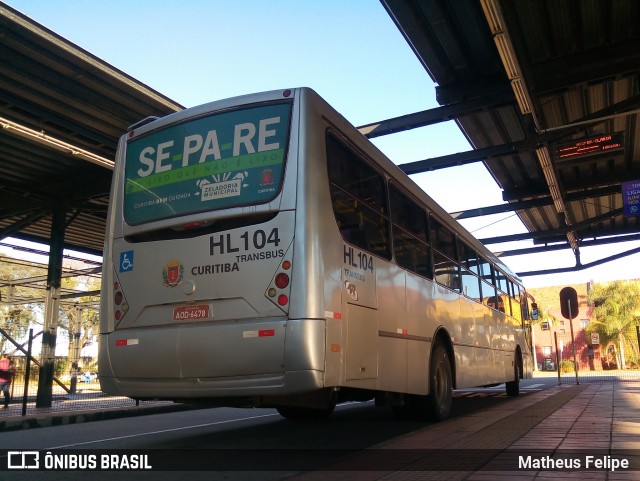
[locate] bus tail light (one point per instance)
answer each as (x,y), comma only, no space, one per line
(120,306)
(279,289)
(282,280)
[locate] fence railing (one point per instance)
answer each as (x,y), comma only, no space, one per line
(87,396)
(583,361)
(76,388)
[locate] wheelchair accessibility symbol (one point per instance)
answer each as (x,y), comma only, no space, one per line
(126,261)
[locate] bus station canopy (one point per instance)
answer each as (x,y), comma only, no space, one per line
(547,92)
(62,112)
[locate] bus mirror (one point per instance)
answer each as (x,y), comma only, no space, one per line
(534,311)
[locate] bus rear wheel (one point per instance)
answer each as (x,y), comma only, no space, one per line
(440,384)
(513,387)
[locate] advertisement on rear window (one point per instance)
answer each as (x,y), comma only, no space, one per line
(224,160)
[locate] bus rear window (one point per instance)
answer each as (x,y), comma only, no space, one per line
(229,159)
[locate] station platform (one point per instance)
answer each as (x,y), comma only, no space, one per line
(585,431)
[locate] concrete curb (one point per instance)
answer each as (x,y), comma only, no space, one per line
(76,417)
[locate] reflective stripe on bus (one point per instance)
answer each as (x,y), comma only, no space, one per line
(260,333)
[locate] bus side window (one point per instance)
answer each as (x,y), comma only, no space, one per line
(488,288)
(445,262)
(496,302)
(409,227)
(469,270)
(359,199)
(514,293)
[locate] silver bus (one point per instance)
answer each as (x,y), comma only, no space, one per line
(261,251)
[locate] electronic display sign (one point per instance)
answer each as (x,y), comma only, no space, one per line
(590,146)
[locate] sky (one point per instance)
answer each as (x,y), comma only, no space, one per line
(350,52)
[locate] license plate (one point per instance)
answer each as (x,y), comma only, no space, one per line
(190,313)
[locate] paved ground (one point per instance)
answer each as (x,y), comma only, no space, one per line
(595,426)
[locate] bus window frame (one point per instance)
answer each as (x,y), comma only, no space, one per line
(384,214)
(394,190)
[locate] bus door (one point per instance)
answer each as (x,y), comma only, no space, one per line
(359,301)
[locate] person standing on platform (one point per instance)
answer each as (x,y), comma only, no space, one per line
(6,376)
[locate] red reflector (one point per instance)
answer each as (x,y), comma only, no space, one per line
(192,225)
(121,342)
(286,265)
(283,300)
(282,280)
(266,332)
(118,315)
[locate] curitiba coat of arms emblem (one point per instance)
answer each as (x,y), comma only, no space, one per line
(172,273)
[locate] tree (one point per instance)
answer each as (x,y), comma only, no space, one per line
(16,313)
(89,321)
(22,297)
(617,312)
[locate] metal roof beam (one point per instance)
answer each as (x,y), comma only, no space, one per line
(54,143)
(595,187)
(565,245)
(538,236)
(462,158)
(55,124)
(532,203)
(579,68)
(91,271)
(433,116)
(590,234)
(67,245)
(29,219)
(501,208)
(580,267)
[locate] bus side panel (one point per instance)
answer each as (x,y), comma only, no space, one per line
(361,356)
(467,333)
(485,353)
(422,323)
(319,254)
(360,317)
(394,328)
(446,308)
(505,348)
(113,228)
(305,348)
(334,353)
(316,267)
(493,349)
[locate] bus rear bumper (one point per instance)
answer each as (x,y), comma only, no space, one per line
(240,391)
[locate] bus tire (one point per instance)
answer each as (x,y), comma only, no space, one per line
(440,384)
(513,387)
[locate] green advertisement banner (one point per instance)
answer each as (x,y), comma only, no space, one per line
(224,160)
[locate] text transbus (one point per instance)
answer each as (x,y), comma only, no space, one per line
(262,252)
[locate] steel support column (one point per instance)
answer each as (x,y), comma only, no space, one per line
(51,310)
